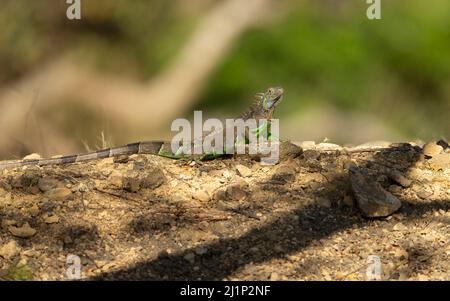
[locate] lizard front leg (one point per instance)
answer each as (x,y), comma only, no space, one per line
(163,152)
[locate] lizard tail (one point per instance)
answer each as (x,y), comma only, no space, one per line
(146,147)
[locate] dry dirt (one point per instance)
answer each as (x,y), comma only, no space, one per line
(148,217)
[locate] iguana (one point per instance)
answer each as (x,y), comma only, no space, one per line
(262,108)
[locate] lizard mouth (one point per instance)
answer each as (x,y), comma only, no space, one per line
(276,100)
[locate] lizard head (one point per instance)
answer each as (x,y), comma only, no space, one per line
(270,98)
(265,104)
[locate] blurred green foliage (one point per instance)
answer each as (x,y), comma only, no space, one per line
(322,52)
(397,68)
(136,38)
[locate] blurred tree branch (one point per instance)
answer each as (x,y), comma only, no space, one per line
(139,108)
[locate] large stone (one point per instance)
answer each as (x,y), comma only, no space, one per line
(289,150)
(371,198)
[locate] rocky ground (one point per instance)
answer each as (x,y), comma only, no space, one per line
(317,215)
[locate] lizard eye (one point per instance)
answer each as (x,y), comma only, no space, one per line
(271,90)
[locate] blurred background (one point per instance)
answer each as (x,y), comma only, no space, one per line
(128,68)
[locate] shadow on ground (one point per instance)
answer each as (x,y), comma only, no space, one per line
(291,232)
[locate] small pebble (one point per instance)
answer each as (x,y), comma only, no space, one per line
(243,170)
(190,257)
(33,156)
(9,249)
(423,194)
(432,149)
(58,193)
(23,232)
(201,195)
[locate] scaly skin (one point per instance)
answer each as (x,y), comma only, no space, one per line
(263,108)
